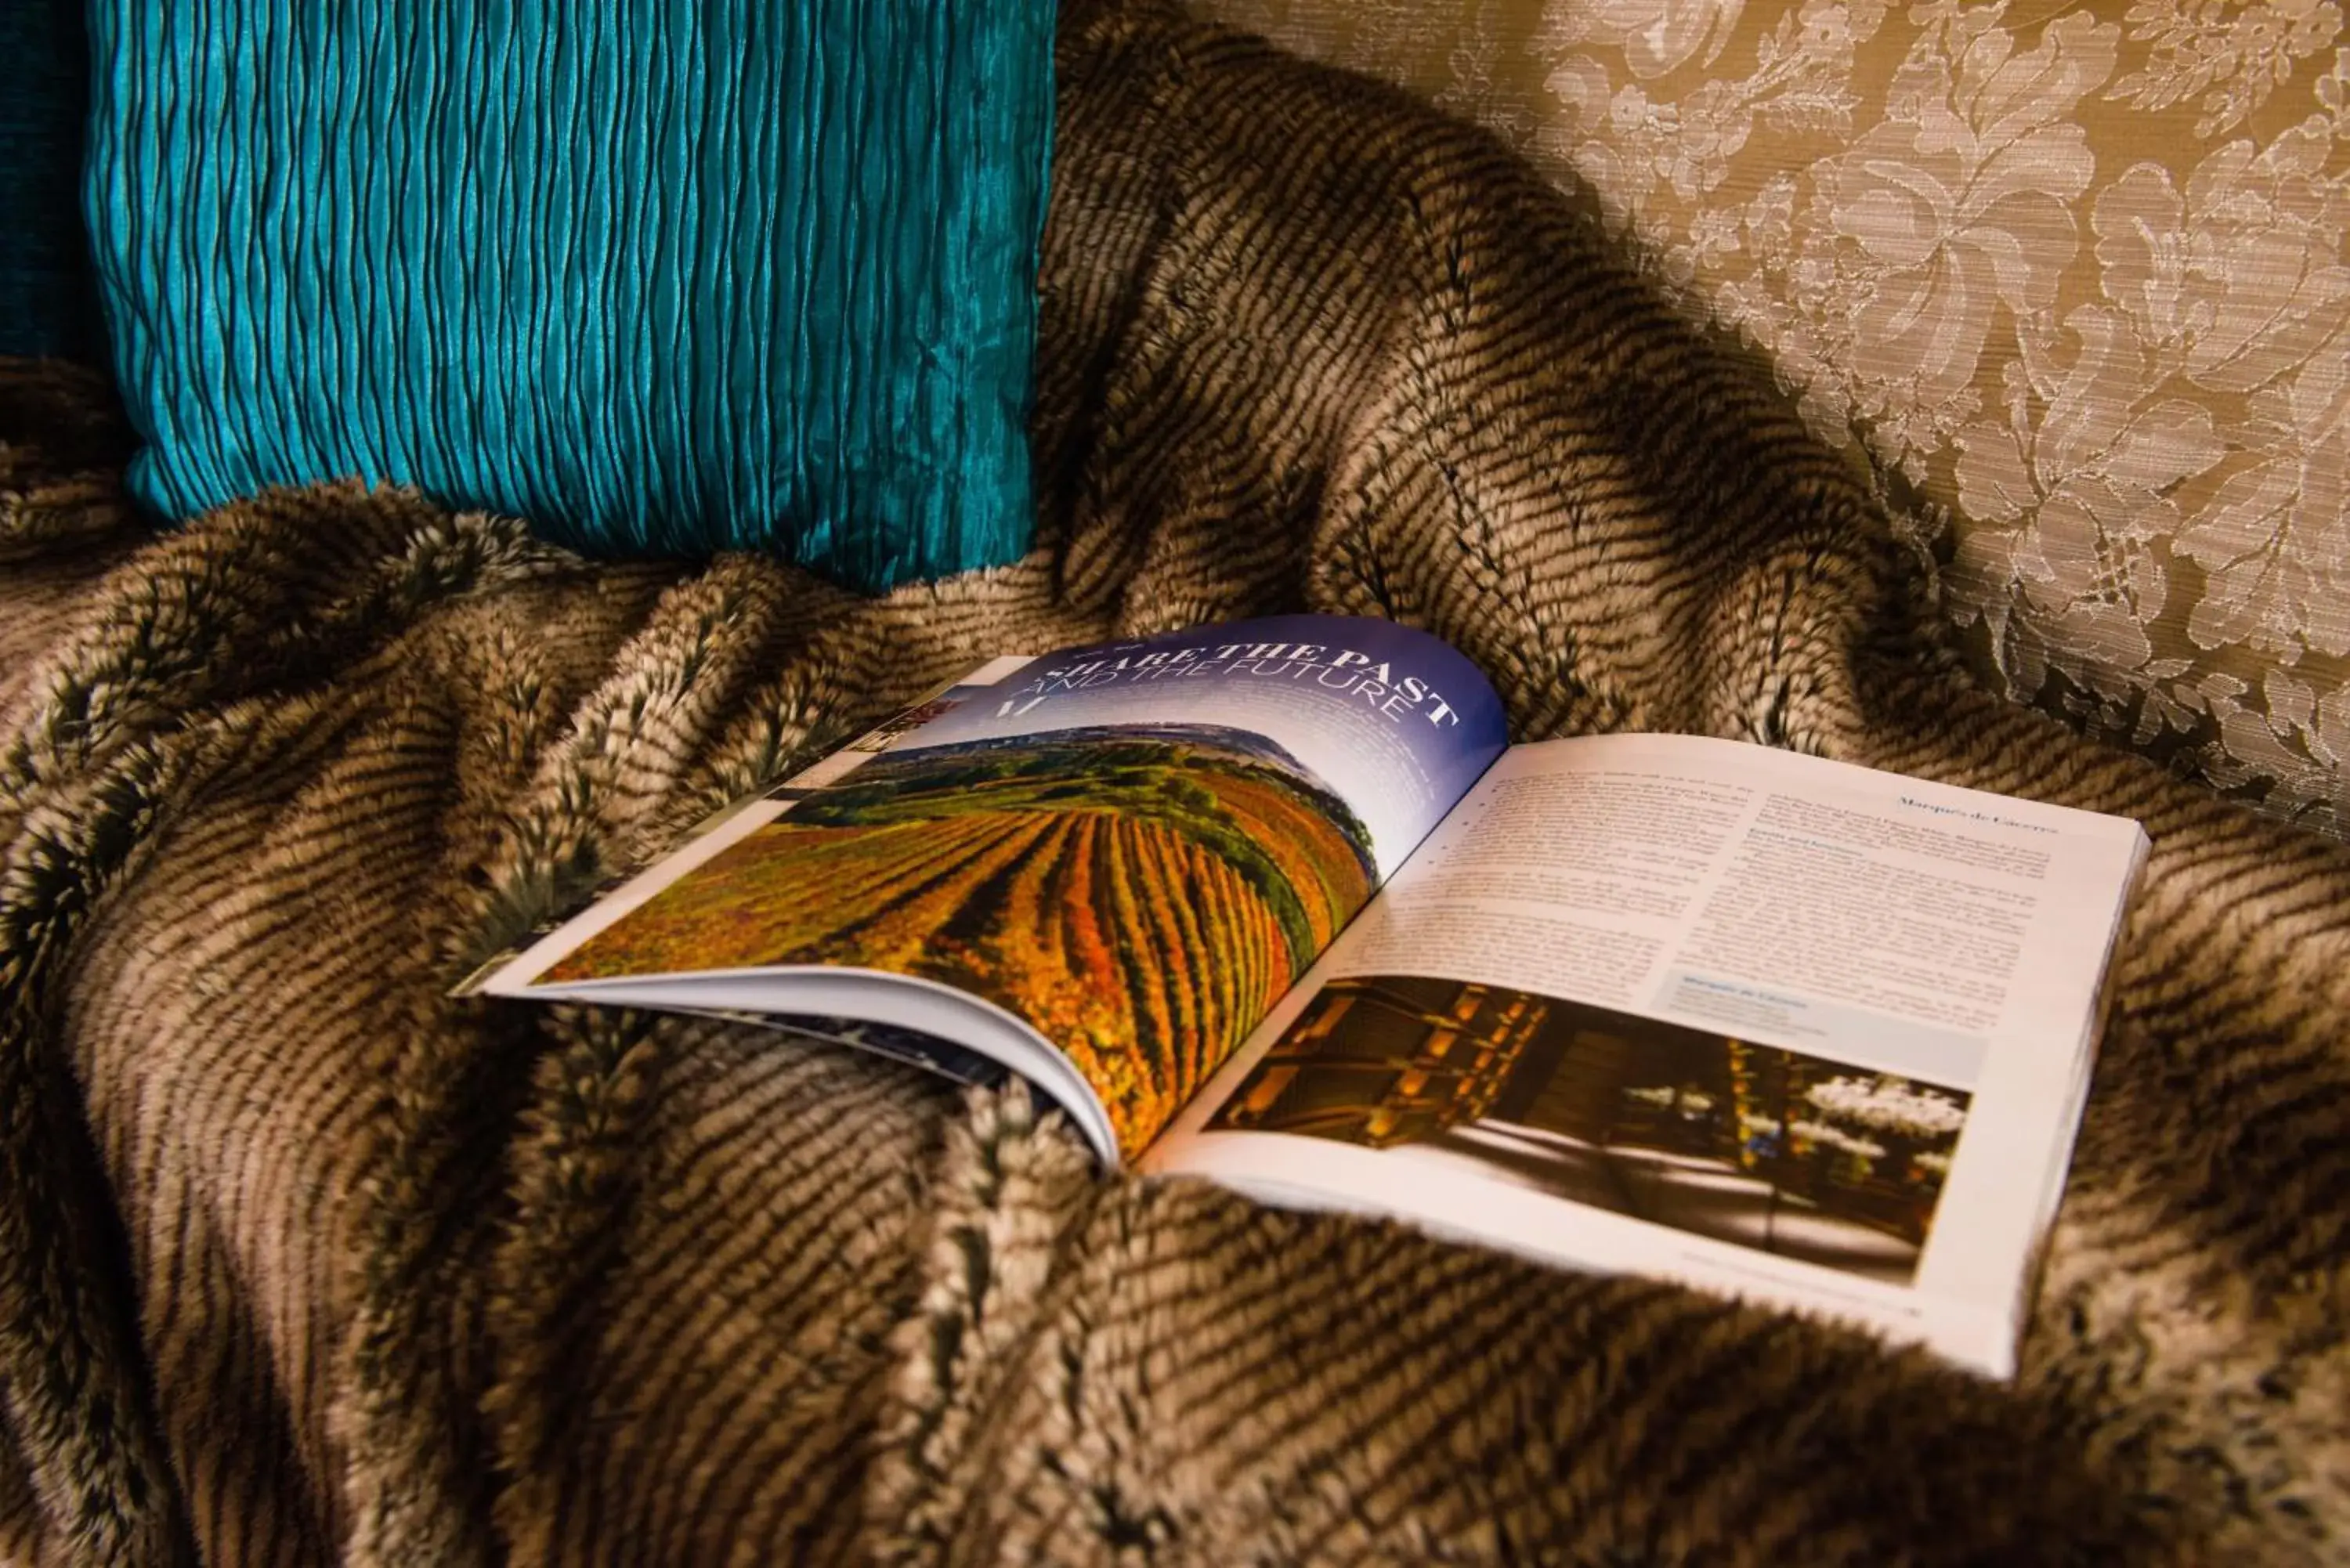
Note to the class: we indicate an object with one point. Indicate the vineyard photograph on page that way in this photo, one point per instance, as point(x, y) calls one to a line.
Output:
point(1141, 895)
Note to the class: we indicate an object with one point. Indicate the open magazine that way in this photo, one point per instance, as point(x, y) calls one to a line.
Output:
point(1276, 903)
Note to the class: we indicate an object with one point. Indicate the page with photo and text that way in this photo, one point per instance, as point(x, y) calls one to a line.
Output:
point(1102, 866)
point(1796, 1030)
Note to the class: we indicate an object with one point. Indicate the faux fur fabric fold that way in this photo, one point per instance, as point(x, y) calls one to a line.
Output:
point(299, 1260)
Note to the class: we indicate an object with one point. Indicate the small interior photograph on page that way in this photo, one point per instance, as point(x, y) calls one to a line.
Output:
point(1754, 1145)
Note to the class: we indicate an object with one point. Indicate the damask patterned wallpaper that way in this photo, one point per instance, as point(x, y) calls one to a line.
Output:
point(2073, 276)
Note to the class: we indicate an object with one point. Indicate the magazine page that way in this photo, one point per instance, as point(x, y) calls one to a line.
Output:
point(1774, 1026)
point(927, 1052)
point(1102, 866)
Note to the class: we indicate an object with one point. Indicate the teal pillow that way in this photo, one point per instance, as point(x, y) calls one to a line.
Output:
point(657, 276)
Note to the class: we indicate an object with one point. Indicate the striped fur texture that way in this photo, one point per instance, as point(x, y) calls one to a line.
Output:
point(300, 1262)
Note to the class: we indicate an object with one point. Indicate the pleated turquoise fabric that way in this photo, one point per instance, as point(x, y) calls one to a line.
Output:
point(664, 276)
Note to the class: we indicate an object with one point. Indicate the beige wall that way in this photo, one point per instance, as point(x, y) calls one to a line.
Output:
point(2073, 277)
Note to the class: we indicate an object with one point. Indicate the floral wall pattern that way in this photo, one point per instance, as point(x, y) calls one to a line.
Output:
point(2072, 277)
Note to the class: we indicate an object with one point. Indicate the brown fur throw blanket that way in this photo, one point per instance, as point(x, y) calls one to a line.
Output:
point(300, 1262)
